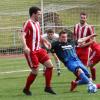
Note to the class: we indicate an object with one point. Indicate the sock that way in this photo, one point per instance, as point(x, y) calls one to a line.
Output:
point(77, 77)
point(48, 76)
point(84, 79)
point(93, 72)
point(30, 80)
point(58, 65)
point(98, 86)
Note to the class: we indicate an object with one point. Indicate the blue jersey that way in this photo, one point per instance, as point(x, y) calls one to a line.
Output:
point(65, 51)
point(67, 54)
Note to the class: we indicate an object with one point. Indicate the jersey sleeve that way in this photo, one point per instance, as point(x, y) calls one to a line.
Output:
point(90, 30)
point(26, 27)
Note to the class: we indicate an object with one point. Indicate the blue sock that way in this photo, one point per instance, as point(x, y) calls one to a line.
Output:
point(84, 79)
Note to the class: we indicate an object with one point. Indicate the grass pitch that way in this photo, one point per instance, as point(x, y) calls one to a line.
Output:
point(11, 84)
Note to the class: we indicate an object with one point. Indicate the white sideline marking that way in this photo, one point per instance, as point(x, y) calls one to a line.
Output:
point(19, 71)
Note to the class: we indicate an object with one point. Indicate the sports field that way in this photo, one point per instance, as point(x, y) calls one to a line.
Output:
point(14, 69)
point(13, 73)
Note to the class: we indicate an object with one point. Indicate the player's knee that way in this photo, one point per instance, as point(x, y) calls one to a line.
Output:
point(34, 71)
point(79, 71)
point(48, 64)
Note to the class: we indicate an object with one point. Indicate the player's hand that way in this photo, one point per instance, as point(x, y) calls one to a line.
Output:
point(49, 45)
point(26, 50)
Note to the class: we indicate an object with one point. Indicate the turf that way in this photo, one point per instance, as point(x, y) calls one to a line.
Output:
point(12, 14)
point(11, 84)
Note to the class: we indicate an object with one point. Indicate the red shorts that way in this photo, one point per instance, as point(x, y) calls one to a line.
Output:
point(94, 60)
point(36, 57)
point(96, 47)
point(95, 54)
point(83, 54)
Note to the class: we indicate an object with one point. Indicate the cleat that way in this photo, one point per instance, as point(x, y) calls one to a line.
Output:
point(27, 92)
point(73, 85)
point(49, 90)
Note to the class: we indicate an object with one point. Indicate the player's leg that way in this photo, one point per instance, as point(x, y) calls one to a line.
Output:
point(93, 72)
point(94, 58)
point(83, 79)
point(45, 60)
point(57, 63)
point(33, 64)
point(83, 55)
point(92, 62)
point(74, 67)
point(81, 71)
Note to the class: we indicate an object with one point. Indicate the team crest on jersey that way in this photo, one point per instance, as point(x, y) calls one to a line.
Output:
point(66, 47)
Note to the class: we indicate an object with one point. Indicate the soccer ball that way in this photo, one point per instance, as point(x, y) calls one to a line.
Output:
point(92, 88)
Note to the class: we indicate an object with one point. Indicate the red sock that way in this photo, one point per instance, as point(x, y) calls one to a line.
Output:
point(48, 76)
point(30, 80)
point(93, 72)
point(98, 86)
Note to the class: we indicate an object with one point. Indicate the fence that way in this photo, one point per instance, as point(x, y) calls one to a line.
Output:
point(56, 14)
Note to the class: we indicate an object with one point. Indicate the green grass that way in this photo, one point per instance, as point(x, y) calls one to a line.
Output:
point(11, 85)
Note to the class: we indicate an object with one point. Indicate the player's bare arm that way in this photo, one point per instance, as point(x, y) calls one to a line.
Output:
point(26, 49)
point(82, 43)
point(46, 43)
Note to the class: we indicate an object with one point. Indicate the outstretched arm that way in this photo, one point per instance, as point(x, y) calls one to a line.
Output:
point(81, 41)
point(46, 43)
point(86, 38)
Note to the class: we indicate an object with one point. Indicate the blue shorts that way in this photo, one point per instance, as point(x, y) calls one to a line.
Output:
point(74, 64)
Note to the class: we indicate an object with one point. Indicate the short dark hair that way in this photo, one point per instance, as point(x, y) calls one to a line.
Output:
point(83, 13)
point(62, 32)
point(33, 10)
point(50, 31)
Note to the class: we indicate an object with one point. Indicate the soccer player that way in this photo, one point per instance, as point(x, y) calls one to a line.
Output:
point(51, 37)
point(65, 50)
point(34, 54)
point(81, 30)
point(95, 56)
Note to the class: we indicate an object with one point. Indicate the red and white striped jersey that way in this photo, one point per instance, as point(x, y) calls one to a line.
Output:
point(32, 30)
point(83, 31)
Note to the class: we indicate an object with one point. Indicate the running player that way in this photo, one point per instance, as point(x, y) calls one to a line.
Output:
point(51, 37)
point(31, 39)
point(82, 30)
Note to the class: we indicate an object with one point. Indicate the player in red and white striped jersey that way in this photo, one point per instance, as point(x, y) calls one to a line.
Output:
point(34, 54)
point(81, 30)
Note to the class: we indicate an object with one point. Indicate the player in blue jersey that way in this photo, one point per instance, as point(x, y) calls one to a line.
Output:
point(65, 50)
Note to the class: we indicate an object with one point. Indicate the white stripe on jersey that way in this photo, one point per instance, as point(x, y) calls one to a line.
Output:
point(30, 61)
point(38, 42)
point(79, 30)
point(92, 31)
point(85, 31)
point(24, 26)
point(76, 28)
point(34, 36)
